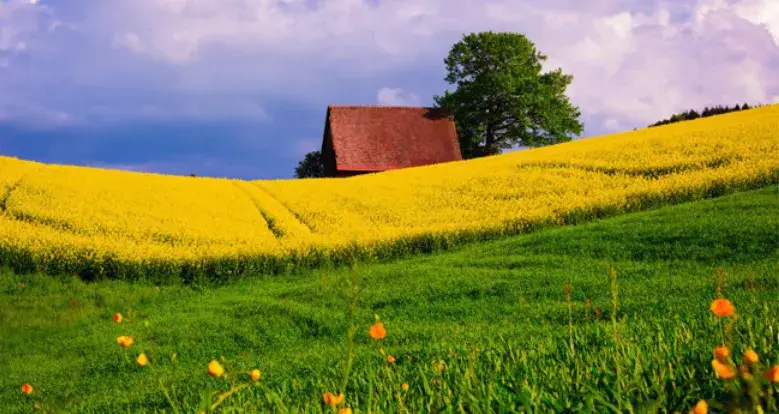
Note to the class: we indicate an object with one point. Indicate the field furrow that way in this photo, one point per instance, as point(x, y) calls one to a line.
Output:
point(289, 224)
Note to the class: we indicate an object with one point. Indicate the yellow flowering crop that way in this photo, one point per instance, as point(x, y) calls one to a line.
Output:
point(99, 222)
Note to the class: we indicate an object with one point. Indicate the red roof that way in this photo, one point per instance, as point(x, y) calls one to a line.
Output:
point(378, 138)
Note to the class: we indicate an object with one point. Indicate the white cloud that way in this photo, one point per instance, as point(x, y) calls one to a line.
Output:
point(645, 71)
point(397, 97)
point(765, 12)
point(611, 124)
point(128, 40)
point(18, 19)
point(633, 61)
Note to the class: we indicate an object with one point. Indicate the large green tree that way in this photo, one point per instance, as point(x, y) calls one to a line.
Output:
point(503, 98)
point(311, 166)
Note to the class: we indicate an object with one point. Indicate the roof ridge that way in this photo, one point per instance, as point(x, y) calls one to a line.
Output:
point(382, 107)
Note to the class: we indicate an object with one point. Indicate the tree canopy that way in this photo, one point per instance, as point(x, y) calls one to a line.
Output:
point(311, 166)
point(503, 98)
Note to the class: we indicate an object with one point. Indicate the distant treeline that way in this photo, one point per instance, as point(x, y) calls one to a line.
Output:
point(707, 111)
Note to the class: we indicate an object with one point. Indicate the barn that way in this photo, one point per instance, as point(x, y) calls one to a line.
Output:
point(367, 139)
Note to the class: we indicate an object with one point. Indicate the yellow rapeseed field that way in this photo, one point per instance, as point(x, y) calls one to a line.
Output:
point(99, 222)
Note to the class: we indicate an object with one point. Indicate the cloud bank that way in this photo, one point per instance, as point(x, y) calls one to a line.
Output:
point(269, 67)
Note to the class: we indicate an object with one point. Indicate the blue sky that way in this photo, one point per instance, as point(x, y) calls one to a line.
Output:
point(239, 88)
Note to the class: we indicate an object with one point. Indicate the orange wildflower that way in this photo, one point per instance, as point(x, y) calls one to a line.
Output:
point(255, 374)
point(377, 331)
point(404, 386)
point(723, 371)
point(390, 359)
point(345, 410)
point(700, 408)
point(124, 341)
point(723, 308)
point(118, 317)
point(721, 353)
point(750, 357)
point(27, 389)
point(142, 360)
point(772, 374)
point(215, 369)
point(332, 399)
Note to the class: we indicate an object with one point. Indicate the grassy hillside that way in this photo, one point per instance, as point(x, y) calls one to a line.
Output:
point(495, 313)
point(100, 223)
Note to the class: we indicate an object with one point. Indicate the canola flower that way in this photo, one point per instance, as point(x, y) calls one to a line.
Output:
point(97, 222)
point(345, 410)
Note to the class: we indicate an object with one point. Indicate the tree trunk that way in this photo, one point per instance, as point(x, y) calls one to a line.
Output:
point(489, 142)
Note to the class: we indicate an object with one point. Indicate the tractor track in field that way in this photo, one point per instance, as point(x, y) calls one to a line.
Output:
point(7, 194)
point(9, 189)
point(269, 221)
point(649, 174)
point(291, 212)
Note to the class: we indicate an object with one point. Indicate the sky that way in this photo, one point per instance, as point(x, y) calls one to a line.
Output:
point(239, 88)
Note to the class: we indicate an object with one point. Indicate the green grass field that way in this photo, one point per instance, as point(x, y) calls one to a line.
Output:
point(495, 313)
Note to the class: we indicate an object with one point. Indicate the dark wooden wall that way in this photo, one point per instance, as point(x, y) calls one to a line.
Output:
point(328, 154)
